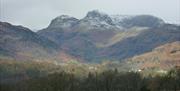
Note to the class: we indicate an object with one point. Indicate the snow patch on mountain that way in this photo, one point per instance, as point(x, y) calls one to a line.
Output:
point(99, 21)
point(117, 19)
point(63, 21)
point(96, 20)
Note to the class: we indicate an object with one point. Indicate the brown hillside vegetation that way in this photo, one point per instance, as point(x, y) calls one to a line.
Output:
point(163, 57)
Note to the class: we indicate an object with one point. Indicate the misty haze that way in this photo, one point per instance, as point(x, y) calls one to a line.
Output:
point(90, 45)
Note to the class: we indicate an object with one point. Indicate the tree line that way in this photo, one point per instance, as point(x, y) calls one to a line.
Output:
point(110, 80)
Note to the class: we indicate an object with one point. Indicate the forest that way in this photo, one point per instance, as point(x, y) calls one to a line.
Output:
point(110, 80)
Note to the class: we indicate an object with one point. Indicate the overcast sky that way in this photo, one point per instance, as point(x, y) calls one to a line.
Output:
point(37, 14)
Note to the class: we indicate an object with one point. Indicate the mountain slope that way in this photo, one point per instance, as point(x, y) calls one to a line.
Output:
point(142, 21)
point(163, 57)
point(144, 42)
point(21, 43)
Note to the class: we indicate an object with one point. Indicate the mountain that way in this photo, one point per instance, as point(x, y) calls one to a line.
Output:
point(94, 38)
point(99, 36)
point(143, 42)
point(89, 47)
point(79, 40)
point(97, 21)
point(63, 21)
point(59, 29)
point(142, 21)
point(21, 43)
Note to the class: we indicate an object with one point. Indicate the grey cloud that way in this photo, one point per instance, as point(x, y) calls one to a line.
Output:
point(37, 14)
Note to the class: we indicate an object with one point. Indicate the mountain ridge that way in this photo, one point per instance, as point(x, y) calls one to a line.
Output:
point(102, 33)
point(99, 36)
point(19, 42)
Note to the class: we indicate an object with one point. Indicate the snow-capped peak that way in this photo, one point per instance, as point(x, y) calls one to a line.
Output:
point(63, 21)
point(98, 19)
point(119, 18)
point(63, 18)
point(95, 13)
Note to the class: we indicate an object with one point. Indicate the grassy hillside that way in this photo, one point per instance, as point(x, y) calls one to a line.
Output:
point(163, 57)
